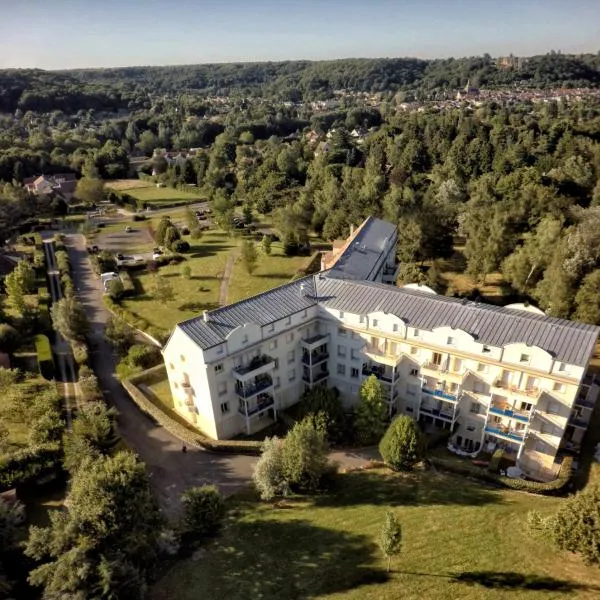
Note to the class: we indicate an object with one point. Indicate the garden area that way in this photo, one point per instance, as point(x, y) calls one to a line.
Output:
point(146, 192)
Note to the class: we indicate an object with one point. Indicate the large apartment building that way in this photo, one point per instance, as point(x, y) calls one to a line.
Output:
point(497, 377)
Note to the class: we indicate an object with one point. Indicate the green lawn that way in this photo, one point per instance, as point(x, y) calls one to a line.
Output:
point(154, 195)
point(460, 540)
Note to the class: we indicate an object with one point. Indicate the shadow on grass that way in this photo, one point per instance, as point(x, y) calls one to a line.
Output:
point(289, 559)
point(208, 249)
point(520, 581)
point(198, 306)
point(273, 275)
point(402, 489)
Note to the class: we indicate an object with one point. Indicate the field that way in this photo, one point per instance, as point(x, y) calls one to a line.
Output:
point(154, 195)
point(460, 540)
point(122, 185)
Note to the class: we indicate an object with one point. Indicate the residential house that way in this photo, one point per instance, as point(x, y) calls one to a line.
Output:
point(61, 184)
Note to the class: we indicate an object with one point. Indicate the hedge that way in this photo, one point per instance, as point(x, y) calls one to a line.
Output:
point(44, 356)
point(534, 487)
point(28, 464)
point(179, 430)
point(127, 280)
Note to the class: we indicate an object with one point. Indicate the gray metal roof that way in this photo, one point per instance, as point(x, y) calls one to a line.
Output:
point(265, 308)
point(359, 259)
point(567, 341)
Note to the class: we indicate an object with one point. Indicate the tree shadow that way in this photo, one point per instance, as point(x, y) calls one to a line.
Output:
point(519, 581)
point(292, 559)
point(273, 275)
point(208, 249)
point(402, 489)
point(198, 306)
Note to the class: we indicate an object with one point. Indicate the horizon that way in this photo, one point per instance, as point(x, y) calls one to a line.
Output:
point(57, 36)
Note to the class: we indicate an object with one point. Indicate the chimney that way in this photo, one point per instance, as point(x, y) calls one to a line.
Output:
point(205, 316)
point(302, 286)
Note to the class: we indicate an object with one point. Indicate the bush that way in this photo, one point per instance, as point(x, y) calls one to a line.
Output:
point(324, 407)
point(371, 411)
point(139, 218)
point(80, 353)
point(10, 339)
point(268, 475)
point(127, 281)
point(403, 444)
point(203, 511)
point(495, 460)
point(28, 464)
point(179, 246)
point(44, 356)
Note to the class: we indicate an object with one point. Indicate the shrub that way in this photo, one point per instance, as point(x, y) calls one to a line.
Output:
point(324, 407)
point(10, 339)
point(80, 353)
point(28, 464)
point(403, 444)
point(139, 218)
point(127, 282)
point(44, 356)
point(179, 246)
point(268, 475)
point(203, 511)
point(495, 460)
point(115, 289)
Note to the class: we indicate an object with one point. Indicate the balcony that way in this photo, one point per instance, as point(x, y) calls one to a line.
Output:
point(313, 343)
point(439, 413)
point(379, 372)
point(505, 411)
point(584, 402)
point(263, 402)
point(314, 358)
point(577, 421)
point(506, 434)
point(316, 377)
point(531, 392)
point(440, 394)
point(187, 388)
point(249, 389)
point(257, 366)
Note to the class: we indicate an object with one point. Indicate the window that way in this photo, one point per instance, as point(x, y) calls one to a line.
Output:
point(276, 361)
point(304, 313)
point(470, 428)
point(273, 345)
point(341, 350)
point(245, 339)
point(520, 426)
point(393, 348)
point(375, 322)
point(414, 351)
point(562, 367)
point(553, 408)
point(558, 387)
point(220, 349)
point(288, 321)
point(409, 409)
point(417, 333)
point(341, 369)
point(354, 355)
point(219, 368)
point(526, 406)
point(276, 382)
point(291, 356)
point(411, 389)
point(171, 366)
point(414, 372)
point(361, 319)
point(271, 328)
point(222, 388)
point(524, 358)
point(341, 314)
point(482, 368)
point(476, 408)
point(354, 373)
point(395, 327)
point(479, 387)
point(224, 407)
point(342, 332)
point(292, 375)
point(182, 358)
point(450, 341)
point(290, 337)
point(486, 349)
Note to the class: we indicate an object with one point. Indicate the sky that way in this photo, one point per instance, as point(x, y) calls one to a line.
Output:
point(61, 34)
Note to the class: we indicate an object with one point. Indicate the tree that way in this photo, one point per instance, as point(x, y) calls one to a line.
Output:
point(18, 283)
point(587, 299)
point(324, 407)
point(10, 339)
point(90, 190)
point(162, 289)
point(268, 475)
point(304, 456)
point(105, 544)
point(403, 444)
point(223, 211)
point(249, 256)
point(266, 245)
point(69, 319)
point(203, 511)
point(119, 334)
point(371, 411)
point(390, 537)
point(115, 288)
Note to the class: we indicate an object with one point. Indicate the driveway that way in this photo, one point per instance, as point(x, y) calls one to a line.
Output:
point(172, 471)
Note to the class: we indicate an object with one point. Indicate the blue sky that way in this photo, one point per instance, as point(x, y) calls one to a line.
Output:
point(56, 34)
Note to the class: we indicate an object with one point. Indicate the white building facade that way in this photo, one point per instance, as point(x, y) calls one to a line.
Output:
point(497, 377)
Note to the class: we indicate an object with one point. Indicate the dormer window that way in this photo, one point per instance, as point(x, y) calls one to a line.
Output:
point(486, 349)
point(524, 358)
point(375, 322)
point(451, 341)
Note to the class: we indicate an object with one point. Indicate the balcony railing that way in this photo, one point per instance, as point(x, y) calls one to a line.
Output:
point(440, 394)
point(509, 434)
point(248, 390)
point(507, 412)
point(436, 412)
point(431, 366)
point(578, 422)
point(515, 389)
point(254, 365)
point(315, 359)
point(379, 373)
point(267, 403)
point(315, 341)
point(584, 402)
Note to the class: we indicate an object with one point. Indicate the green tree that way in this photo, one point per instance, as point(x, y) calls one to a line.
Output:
point(148, 142)
point(587, 300)
point(115, 289)
point(390, 538)
point(172, 235)
point(90, 190)
point(203, 512)
point(403, 444)
point(161, 230)
point(249, 256)
point(69, 319)
point(10, 339)
point(162, 290)
point(266, 245)
point(304, 456)
point(119, 334)
point(223, 211)
point(371, 411)
point(324, 407)
point(104, 545)
point(269, 475)
point(18, 283)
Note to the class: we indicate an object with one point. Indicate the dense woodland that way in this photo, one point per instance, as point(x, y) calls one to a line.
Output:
point(518, 183)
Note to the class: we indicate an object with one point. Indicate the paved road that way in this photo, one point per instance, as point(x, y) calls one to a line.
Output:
point(171, 470)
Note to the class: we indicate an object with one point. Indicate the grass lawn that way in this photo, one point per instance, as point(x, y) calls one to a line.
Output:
point(128, 184)
point(460, 540)
point(154, 195)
